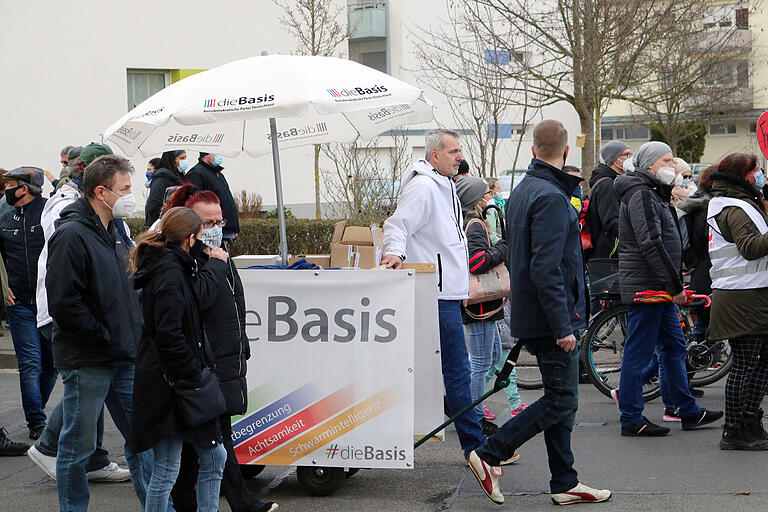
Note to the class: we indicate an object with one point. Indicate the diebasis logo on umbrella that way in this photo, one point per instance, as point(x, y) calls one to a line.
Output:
point(235, 104)
point(357, 93)
point(197, 139)
point(301, 133)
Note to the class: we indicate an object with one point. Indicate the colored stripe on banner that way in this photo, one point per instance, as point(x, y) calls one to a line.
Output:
point(336, 427)
point(275, 412)
point(296, 425)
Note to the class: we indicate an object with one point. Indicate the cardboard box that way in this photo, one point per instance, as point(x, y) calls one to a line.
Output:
point(357, 256)
point(357, 235)
point(321, 260)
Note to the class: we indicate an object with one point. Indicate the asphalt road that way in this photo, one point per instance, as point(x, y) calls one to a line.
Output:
point(684, 471)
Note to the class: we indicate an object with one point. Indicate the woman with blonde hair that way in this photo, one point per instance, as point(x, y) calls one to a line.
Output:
point(173, 356)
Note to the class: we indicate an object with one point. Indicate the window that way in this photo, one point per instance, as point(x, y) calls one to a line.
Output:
point(506, 131)
point(742, 73)
point(752, 128)
point(630, 132)
point(498, 57)
point(143, 83)
point(716, 129)
point(375, 60)
point(742, 17)
point(726, 16)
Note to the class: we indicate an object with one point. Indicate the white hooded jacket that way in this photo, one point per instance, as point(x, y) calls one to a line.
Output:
point(427, 227)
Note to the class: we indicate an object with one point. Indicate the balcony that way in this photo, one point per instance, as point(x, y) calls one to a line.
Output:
point(367, 20)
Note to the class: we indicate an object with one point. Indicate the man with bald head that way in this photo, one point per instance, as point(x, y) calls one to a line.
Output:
point(548, 311)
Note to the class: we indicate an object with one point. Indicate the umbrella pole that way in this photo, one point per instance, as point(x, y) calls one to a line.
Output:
point(283, 247)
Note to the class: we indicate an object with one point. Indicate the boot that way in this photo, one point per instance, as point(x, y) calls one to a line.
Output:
point(735, 437)
point(753, 424)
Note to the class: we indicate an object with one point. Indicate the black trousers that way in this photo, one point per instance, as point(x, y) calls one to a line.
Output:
point(233, 486)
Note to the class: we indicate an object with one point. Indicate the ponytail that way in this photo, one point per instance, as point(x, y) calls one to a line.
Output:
point(175, 226)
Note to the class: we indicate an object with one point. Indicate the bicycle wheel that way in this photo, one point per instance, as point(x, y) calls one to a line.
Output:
point(603, 349)
point(711, 366)
point(527, 368)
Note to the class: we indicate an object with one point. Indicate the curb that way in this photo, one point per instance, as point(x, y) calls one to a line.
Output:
point(8, 360)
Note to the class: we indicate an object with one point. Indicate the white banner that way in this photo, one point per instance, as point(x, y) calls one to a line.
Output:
point(331, 377)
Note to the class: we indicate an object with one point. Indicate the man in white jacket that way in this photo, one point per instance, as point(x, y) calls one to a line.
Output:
point(427, 227)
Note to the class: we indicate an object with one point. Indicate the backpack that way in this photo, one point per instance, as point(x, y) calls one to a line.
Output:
point(585, 226)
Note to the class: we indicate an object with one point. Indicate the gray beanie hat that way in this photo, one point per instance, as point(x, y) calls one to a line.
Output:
point(611, 151)
point(648, 153)
point(470, 190)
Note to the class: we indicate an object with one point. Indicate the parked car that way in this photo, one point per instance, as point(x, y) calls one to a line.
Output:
point(697, 169)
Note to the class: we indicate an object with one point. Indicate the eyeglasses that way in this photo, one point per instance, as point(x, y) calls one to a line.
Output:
point(63, 162)
point(211, 223)
point(626, 154)
point(687, 177)
point(488, 192)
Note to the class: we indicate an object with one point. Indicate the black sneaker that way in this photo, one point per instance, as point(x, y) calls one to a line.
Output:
point(705, 417)
point(644, 428)
point(489, 428)
point(36, 432)
point(11, 448)
point(753, 425)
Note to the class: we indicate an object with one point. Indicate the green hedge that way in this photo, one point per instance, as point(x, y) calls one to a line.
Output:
point(262, 236)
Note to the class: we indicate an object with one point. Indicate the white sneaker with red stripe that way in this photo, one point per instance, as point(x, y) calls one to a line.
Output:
point(581, 494)
point(487, 476)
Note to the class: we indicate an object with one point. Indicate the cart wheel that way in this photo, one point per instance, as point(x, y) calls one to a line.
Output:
point(251, 470)
point(320, 481)
point(351, 472)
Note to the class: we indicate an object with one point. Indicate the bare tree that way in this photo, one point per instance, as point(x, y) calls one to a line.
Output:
point(460, 65)
point(583, 52)
point(358, 185)
point(320, 28)
point(704, 73)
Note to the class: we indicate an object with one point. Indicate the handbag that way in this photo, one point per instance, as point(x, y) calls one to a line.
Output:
point(201, 401)
point(488, 286)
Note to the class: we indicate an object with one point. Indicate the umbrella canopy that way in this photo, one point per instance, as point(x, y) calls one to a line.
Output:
point(226, 110)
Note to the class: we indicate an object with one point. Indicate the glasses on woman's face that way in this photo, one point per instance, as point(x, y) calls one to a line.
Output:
point(211, 223)
point(488, 193)
point(687, 176)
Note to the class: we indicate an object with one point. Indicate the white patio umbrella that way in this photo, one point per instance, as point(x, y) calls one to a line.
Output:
point(233, 109)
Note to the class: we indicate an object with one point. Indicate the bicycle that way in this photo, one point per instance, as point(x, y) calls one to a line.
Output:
point(603, 344)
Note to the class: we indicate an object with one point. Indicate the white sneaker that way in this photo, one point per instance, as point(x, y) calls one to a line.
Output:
point(581, 494)
point(109, 473)
point(44, 462)
point(487, 477)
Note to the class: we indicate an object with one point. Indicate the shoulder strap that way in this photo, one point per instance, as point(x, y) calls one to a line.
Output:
point(485, 228)
point(487, 314)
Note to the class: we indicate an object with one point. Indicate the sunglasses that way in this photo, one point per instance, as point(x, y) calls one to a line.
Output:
point(687, 177)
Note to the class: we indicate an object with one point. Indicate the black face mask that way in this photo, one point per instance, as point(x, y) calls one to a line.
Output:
point(10, 195)
point(196, 250)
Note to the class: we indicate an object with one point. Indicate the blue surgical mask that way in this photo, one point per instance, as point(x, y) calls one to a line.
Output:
point(217, 160)
point(759, 179)
point(685, 182)
point(148, 175)
point(183, 166)
point(212, 236)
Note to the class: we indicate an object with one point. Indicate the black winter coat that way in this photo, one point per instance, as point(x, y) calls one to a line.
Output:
point(95, 311)
point(547, 287)
point(650, 249)
point(697, 256)
point(161, 180)
point(222, 306)
point(482, 258)
point(21, 242)
point(206, 177)
point(603, 212)
point(171, 346)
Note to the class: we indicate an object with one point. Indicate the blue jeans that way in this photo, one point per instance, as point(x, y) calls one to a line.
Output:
point(455, 365)
point(37, 375)
point(167, 456)
point(553, 414)
point(48, 444)
point(481, 337)
point(86, 390)
point(649, 325)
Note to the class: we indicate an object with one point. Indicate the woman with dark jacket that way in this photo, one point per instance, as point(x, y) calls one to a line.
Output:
point(738, 248)
point(480, 319)
point(172, 349)
point(222, 308)
point(697, 255)
point(173, 165)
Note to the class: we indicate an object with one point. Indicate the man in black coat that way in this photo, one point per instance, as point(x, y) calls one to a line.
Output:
point(207, 175)
point(97, 325)
point(548, 311)
point(650, 258)
point(603, 213)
